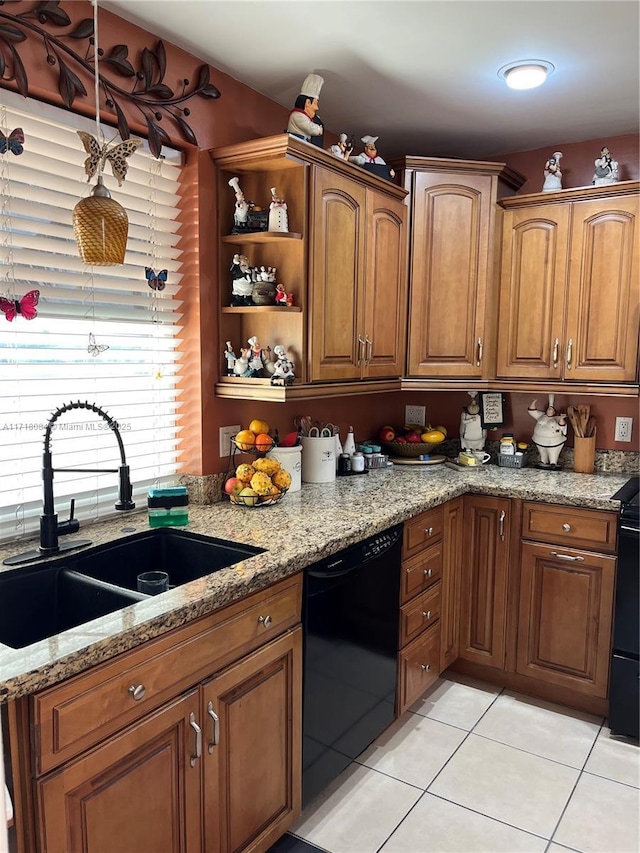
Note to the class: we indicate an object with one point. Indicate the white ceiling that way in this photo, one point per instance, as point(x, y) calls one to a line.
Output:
point(422, 74)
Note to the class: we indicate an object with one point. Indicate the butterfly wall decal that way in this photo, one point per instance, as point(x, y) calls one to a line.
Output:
point(25, 306)
point(95, 349)
point(14, 142)
point(115, 155)
point(156, 282)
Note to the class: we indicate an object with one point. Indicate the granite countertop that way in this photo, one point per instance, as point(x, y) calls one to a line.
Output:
point(304, 527)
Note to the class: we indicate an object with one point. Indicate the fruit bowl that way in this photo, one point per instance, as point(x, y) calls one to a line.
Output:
point(411, 450)
point(257, 502)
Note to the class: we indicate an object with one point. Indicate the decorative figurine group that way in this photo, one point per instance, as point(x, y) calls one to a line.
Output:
point(255, 285)
point(256, 362)
point(606, 171)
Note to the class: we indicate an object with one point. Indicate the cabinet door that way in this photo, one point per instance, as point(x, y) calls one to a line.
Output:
point(450, 260)
point(385, 308)
point(535, 258)
point(452, 566)
point(565, 614)
point(140, 790)
point(484, 580)
point(337, 252)
point(604, 291)
point(252, 752)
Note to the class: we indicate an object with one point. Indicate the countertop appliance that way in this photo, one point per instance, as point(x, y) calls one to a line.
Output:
point(624, 684)
point(350, 619)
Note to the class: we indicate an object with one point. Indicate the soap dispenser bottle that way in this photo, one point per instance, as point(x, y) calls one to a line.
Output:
point(350, 443)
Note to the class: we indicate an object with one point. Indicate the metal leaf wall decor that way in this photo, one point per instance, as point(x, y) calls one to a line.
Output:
point(149, 93)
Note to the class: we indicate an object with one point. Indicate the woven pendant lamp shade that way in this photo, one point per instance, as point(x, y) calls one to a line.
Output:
point(101, 226)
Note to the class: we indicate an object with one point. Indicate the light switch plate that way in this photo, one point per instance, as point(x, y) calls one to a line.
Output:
point(226, 434)
point(415, 415)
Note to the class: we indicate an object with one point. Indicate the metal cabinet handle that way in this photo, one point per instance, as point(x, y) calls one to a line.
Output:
point(265, 620)
point(137, 691)
point(566, 527)
point(568, 557)
point(569, 354)
point(369, 355)
point(556, 344)
point(429, 531)
point(361, 346)
point(215, 740)
point(425, 667)
point(428, 572)
point(503, 515)
point(426, 614)
point(198, 731)
point(479, 361)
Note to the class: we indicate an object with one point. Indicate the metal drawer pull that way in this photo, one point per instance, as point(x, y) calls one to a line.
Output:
point(567, 557)
point(198, 731)
point(566, 527)
point(265, 620)
point(137, 691)
point(370, 351)
point(429, 531)
point(569, 353)
point(361, 346)
point(479, 361)
point(428, 572)
point(503, 515)
point(426, 614)
point(425, 667)
point(216, 727)
point(556, 344)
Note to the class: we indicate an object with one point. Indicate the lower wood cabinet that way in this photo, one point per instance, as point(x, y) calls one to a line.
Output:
point(451, 581)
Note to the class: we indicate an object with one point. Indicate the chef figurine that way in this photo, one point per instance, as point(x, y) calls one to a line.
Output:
point(256, 362)
point(241, 211)
point(241, 281)
point(370, 154)
point(472, 435)
point(278, 218)
point(552, 173)
point(304, 120)
point(230, 356)
point(606, 171)
point(342, 148)
point(549, 433)
point(282, 297)
point(241, 367)
point(283, 368)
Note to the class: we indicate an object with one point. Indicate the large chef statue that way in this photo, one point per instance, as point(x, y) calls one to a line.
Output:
point(549, 433)
point(472, 434)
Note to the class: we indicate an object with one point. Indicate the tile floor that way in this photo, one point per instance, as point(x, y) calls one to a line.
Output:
point(476, 769)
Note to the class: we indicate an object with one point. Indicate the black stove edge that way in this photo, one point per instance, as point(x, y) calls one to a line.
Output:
point(626, 493)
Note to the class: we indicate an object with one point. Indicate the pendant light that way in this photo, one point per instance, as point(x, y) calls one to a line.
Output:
point(100, 224)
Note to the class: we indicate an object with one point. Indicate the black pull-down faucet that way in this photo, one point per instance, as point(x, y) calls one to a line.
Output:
point(50, 527)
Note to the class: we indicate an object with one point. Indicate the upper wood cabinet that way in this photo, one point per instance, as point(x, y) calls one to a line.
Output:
point(344, 259)
point(452, 299)
point(570, 286)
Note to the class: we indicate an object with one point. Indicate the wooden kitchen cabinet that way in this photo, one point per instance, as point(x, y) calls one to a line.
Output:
point(570, 286)
point(566, 599)
point(483, 602)
point(453, 526)
point(344, 260)
point(190, 742)
point(452, 292)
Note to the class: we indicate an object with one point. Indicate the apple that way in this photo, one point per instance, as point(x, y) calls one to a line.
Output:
point(234, 486)
point(414, 438)
point(400, 439)
point(249, 497)
point(387, 433)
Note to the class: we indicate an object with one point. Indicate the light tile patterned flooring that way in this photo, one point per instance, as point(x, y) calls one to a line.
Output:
point(474, 769)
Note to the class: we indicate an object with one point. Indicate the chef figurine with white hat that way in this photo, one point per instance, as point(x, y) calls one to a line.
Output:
point(370, 154)
point(342, 148)
point(303, 119)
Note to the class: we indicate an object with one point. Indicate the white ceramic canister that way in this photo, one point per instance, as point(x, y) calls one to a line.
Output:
point(291, 460)
point(318, 459)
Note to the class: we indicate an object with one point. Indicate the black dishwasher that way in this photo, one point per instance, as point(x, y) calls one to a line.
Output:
point(350, 622)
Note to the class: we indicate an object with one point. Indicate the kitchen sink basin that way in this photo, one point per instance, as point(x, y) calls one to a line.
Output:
point(184, 556)
point(37, 603)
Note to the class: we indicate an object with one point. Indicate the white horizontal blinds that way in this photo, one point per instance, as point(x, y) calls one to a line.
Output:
point(110, 311)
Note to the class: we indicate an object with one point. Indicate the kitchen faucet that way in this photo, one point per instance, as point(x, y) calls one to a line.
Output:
point(50, 527)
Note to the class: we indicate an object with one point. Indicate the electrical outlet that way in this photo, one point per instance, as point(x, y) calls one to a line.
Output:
point(415, 415)
point(623, 429)
point(227, 433)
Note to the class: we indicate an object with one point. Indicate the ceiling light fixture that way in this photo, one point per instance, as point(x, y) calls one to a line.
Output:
point(526, 73)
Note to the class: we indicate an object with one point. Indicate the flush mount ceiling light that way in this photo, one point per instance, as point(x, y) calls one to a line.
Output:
point(526, 73)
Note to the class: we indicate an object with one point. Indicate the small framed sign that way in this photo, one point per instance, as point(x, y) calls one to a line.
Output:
point(491, 409)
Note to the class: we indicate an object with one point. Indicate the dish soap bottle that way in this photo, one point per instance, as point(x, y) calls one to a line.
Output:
point(350, 443)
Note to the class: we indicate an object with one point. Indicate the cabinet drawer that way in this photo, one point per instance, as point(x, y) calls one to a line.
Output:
point(421, 531)
point(421, 571)
point(82, 711)
point(419, 614)
point(592, 529)
point(418, 667)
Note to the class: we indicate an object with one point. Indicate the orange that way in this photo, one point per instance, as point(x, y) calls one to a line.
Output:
point(258, 426)
point(264, 443)
point(245, 440)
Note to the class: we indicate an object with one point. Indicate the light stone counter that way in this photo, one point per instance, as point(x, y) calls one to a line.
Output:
point(304, 527)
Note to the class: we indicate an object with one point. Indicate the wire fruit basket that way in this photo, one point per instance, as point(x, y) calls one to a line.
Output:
point(411, 450)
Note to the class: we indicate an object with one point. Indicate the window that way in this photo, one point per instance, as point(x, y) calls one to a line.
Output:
point(101, 334)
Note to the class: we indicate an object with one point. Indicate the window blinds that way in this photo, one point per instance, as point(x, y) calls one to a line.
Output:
point(101, 334)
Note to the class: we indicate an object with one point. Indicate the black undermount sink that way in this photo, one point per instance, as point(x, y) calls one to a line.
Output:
point(39, 602)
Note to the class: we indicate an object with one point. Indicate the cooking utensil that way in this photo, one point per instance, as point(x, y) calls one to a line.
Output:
point(590, 428)
point(584, 412)
point(320, 432)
